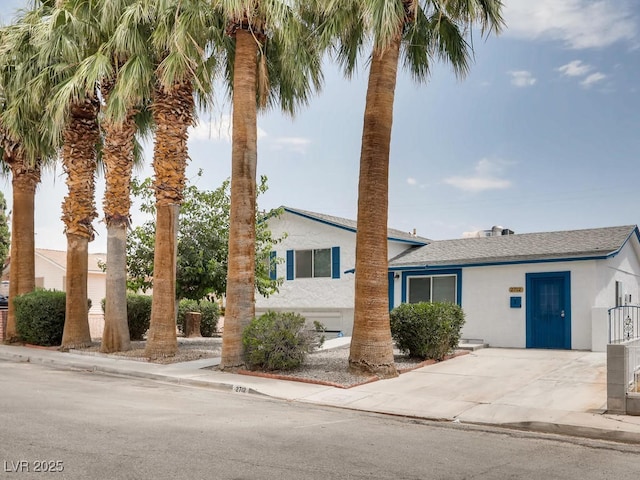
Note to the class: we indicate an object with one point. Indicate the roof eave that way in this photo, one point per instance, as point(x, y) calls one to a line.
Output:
point(422, 266)
point(349, 229)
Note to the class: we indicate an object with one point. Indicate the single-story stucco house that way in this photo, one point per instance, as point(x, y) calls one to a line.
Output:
point(315, 255)
point(532, 290)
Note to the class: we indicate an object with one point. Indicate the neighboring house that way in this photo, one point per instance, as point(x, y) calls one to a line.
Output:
point(536, 290)
point(50, 266)
point(316, 255)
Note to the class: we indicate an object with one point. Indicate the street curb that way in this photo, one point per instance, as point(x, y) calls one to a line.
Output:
point(73, 365)
point(619, 436)
point(575, 431)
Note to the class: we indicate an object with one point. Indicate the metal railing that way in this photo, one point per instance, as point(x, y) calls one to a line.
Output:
point(624, 323)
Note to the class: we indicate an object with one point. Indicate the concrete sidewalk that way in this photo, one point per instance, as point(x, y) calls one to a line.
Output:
point(549, 391)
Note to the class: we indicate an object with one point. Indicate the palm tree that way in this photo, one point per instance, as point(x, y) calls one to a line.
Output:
point(64, 41)
point(167, 63)
point(99, 20)
point(25, 179)
point(421, 31)
point(267, 66)
point(24, 150)
point(118, 154)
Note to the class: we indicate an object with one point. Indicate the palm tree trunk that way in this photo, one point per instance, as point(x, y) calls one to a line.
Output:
point(76, 332)
point(79, 211)
point(115, 336)
point(240, 307)
point(22, 271)
point(161, 338)
point(371, 343)
point(118, 159)
point(173, 115)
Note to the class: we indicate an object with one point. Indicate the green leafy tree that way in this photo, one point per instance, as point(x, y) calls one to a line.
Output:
point(203, 243)
point(5, 236)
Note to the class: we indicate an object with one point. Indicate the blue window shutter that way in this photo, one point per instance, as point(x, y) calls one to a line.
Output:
point(289, 264)
point(273, 273)
point(335, 262)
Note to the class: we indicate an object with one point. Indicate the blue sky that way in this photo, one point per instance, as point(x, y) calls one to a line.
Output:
point(542, 135)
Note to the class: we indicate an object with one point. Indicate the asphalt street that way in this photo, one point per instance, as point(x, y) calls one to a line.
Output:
point(85, 425)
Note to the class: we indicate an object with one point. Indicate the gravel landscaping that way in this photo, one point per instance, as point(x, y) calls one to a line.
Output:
point(189, 349)
point(325, 367)
point(331, 367)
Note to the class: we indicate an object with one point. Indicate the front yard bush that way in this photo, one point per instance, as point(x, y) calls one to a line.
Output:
point(40, 317)
point(209, 312)
point(280, 341)
point(209, 320)
point(138, 315)
point(427, 330)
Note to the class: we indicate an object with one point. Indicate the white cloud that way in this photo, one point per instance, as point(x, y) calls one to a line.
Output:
point(579, 24)
point(593, 79)
point(218, 130)
point(575, 69)
point(522, 78)
point(294, 144)
point(412, 181)
point(487, 177)
point(578, 69)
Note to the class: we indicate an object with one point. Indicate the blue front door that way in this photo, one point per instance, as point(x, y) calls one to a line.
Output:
point(549, 310)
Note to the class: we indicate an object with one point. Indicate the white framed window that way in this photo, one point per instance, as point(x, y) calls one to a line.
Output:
point(433, 288)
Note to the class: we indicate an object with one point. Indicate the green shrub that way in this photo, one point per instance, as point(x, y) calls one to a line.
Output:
point(209, 320)
point(427, 330)
point(40, 317)
point(209, 315)
point(138, 314)
point(279, 341)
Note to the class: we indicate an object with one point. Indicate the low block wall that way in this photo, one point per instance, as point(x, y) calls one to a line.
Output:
point(619, 399)
point(3, 324)
point(633, 404)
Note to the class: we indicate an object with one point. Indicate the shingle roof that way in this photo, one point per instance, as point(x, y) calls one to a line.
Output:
point(392, 234)
point(572, 244)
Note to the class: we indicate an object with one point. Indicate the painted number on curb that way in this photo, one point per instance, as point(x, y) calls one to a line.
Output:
point(240, 389)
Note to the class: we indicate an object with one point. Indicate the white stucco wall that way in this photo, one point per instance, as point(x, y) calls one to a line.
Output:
point(485, 300)
point(489, 316)
point(96, 291)
point(327, 300)
point(624, 268)
point(51, 273)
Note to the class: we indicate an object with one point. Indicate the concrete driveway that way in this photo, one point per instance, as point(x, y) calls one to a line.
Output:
point(493, 385)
